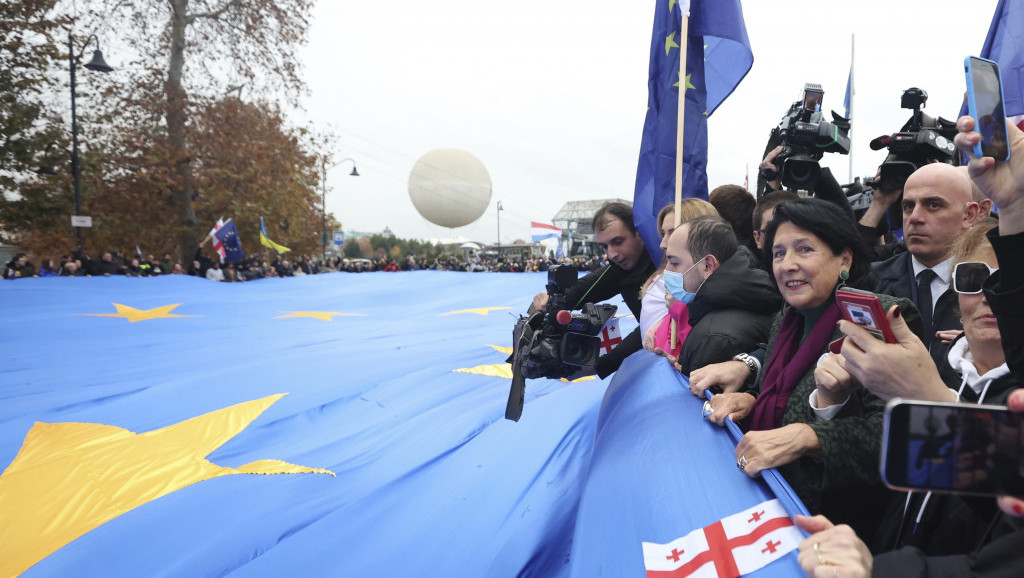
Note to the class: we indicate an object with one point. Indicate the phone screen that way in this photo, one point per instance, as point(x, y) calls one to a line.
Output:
point(959, 448)
point(986, 95)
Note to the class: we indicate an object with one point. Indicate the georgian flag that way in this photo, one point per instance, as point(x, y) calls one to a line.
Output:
point(217, 245)
point(733, 546)
point(610, 336)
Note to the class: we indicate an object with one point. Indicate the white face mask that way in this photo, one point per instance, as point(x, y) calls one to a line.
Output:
point(674, 284)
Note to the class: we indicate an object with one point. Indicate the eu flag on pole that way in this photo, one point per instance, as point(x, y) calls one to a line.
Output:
point(718, 57)
point(228, 235)
point(1005, 45)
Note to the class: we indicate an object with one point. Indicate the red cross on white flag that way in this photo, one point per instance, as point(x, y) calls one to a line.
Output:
point(610, 336)
point(733, 546)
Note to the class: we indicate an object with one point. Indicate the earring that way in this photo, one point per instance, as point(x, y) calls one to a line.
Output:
point(844, 275)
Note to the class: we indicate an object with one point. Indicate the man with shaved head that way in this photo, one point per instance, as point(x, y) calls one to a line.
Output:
point(938, 206)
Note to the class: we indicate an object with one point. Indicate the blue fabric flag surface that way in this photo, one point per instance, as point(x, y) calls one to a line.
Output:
point(1004, 44)
point(228, 235)
point(394, 383)
point(718, 56)
point(658, 471)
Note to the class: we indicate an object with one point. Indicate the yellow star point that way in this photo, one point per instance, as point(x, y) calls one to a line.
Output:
point(505, 350)
point(670, 43)
point(132, 314)
point(478, 311)
point(672, 4)
point(322, 315)
point(69, 478)
point(502, 370)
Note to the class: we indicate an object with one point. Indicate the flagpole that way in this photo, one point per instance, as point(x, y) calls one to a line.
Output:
point(684, 32)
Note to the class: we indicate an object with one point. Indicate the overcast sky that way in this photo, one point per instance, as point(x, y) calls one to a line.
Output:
point(551, 94)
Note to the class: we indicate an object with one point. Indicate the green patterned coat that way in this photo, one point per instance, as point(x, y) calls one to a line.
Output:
point(840, 484)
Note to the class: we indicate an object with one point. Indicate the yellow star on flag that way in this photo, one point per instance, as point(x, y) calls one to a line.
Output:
point(323, 315)
point(69, 478)
point(132, 314)
point(478, 311)
point(670, 43)
point(688, 84)
point(672, 4)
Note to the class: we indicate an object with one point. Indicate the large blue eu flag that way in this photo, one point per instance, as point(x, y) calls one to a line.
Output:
point(718, 56)
point(228, 235)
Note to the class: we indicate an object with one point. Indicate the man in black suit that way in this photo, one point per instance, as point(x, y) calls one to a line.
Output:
point(938, 206)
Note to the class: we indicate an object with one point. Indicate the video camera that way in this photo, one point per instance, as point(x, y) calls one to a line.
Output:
point(555, 342)
point(806, 136)
point(920, 140)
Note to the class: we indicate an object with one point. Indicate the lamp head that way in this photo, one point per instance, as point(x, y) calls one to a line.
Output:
point(97, 63)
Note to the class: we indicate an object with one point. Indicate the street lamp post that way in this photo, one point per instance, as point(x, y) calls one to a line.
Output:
point(323, 203)
point(98, 64)
point(499, 226)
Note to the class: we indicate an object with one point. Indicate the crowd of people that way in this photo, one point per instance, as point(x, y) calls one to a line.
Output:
point(745, 303)
point(79, 264)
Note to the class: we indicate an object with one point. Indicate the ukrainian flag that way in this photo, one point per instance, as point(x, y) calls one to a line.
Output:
point(266, 242)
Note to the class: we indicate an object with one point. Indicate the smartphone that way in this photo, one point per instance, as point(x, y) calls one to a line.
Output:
point(864, 309)
point(985, 104)
point(953, 448)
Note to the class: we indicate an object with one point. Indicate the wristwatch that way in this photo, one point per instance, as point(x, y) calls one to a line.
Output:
point(752, 364)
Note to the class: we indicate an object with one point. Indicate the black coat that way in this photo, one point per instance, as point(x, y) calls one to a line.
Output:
point(605, 283)
point(732, 313)
point(896, 278)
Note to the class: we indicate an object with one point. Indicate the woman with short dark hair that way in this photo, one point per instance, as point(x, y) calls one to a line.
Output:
point(829, 455)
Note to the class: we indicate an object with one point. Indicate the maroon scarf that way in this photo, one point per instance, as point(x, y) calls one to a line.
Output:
point(788, 364)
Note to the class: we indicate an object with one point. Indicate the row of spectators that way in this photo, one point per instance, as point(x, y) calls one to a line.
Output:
point(79, 264)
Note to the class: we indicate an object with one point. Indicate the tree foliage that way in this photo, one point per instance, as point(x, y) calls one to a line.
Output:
point(30, 130)
point(165, 152)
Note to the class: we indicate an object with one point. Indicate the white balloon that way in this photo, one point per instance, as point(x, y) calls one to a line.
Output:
point(450, 187)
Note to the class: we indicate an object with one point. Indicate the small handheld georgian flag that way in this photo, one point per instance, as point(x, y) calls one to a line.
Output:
point(610, 336)
point(735, 545)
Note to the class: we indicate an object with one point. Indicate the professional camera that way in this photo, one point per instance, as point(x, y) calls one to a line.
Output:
point(806, 136)
point(921, 140)
point(556, 342)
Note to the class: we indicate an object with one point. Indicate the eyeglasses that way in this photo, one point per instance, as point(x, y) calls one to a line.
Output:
point(969, 276)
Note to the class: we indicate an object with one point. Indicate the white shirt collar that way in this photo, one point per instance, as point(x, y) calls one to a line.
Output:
point(943, 270)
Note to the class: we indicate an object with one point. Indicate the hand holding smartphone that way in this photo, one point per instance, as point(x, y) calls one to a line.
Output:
point(952, 448)
point(864, 309)
point(985, 104)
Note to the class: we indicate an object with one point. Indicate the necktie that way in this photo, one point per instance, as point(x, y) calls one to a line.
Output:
point(924, 302)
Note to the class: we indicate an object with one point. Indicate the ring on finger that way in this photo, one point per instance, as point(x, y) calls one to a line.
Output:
point(742, 464)
point(707, 410)
point(821, 559)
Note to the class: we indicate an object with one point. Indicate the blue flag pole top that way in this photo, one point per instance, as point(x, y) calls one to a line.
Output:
point(718, 56)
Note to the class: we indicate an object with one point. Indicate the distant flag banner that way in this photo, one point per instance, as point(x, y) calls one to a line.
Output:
point(610, 336)
point(718, 57)
point(541, 232)
point(266, 242)
point(1005, 45)
point(217, 245)
point(733, 546)
point(228, 235)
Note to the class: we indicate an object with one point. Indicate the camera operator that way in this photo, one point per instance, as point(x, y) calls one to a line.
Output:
point(827, 187)
point(629, 266)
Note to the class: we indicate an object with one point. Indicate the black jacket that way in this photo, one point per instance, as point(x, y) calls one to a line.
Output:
point(732, 313)
point(605, 283)
point(896, 278)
